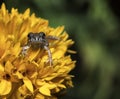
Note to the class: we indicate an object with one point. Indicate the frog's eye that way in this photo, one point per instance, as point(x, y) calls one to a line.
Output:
point(30, 35)
point(42, 34)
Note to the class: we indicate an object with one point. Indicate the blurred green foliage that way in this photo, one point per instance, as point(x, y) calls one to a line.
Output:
point(95, 29)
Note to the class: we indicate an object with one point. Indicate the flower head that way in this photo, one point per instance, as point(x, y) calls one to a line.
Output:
point(31, 75)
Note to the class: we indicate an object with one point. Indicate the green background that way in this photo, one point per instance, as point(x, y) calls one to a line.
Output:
point(94, 26)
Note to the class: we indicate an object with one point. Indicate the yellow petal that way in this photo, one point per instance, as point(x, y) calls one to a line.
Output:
point(64, 36)
point(1, 68)
point(61, 85)
point(16, 49)
point(71, 51)
point(60, 51)
point(3, 7)
point(40, 82)
point(28, 84)
point(39, 96)
point(49, 78)
point(26, 13)
point(33, 54)
point(57, 31)
point(23, 89)
point(8, 67)
point(52, 86)
point(5, 87)
point(14, 12)
point(45, 91)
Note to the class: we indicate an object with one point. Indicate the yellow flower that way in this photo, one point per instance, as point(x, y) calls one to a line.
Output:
point(30, 76)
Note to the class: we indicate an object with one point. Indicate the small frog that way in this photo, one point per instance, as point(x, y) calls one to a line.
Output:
point(39, 40)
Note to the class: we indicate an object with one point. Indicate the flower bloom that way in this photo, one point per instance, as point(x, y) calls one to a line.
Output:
point(30, 76)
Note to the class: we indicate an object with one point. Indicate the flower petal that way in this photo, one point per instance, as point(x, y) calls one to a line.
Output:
point(5, 87)
point(33, 54)
point(44, 90)
point(16, 49)
point(57, 31)
point(1, 68)
point(3, 7)
point(8, 67)
point(28, 84)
